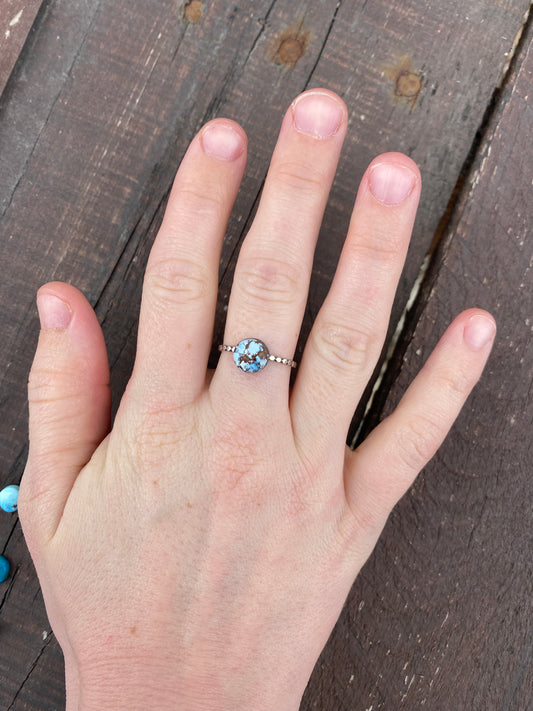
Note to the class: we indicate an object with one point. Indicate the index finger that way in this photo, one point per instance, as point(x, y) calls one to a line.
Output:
point(181, 279)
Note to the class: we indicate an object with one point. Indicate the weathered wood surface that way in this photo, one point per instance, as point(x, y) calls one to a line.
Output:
point(442, 616)
point(16, 20)
point(117, 90)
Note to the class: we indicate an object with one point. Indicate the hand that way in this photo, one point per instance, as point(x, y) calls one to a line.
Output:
point(198, 555)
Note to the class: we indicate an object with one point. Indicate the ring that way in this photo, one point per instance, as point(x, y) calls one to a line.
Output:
point(252, 355)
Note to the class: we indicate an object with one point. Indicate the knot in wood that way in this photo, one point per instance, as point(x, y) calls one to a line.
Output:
point(193, 11)
point(290, 51)
point(408, 84)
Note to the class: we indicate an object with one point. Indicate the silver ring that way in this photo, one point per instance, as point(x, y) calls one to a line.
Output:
point(251, 355)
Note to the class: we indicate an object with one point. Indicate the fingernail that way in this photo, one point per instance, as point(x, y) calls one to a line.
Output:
point(53, 311)
point(479, 331)
point(222, 141)
point(318, 115)
point(391, 183)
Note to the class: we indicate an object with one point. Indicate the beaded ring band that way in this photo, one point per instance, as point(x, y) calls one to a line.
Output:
point(251, 355)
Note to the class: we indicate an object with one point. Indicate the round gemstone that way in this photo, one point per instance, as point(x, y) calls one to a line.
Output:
point(251, 355)
point(9, 497)
point(4, 568)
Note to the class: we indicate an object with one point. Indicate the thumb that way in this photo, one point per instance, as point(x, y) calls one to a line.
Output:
point(69, 406)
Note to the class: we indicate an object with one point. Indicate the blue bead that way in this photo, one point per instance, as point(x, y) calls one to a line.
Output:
point(4, 568)
point(9, 498)
point(251, 355)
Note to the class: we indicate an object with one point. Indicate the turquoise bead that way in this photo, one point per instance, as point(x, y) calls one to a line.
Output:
point(9, 498)
point(251, 355)
point(4, 568)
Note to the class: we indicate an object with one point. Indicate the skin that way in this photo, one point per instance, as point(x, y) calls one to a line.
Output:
point(198, 554)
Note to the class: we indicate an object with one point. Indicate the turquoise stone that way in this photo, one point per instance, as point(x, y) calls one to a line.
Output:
point(4, 568)
point(9, 497)
point(251, 355)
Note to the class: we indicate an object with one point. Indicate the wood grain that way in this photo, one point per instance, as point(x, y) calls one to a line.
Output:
point(441, 616)
point(16, 20)
point(94, 121)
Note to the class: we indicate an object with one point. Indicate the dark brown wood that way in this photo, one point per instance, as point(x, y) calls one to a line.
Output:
point(16, 20)
point(441, 616)
point(93, 123)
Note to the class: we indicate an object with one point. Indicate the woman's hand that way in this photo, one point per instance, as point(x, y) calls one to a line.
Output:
point(198, 555)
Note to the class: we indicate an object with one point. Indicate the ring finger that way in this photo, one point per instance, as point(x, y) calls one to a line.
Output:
point(348, 334)
point(272, 274)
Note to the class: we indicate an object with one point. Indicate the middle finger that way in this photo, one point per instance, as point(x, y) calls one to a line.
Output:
point(271, 280)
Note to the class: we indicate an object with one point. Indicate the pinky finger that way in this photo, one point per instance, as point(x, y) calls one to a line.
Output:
point(383, 467)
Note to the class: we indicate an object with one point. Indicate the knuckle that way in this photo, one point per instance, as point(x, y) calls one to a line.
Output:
point(300, 177)
point(417, 442)
point(269, 280)
point(200, 199)
point(344, 347)
point(306, 497)
point(302, 497)
point(40, 394)
point(177, 281)
point(381, 249)
point(45, 379)
point(235, 459)
point(161, 429)
point(60, 386)
point(455, 383)
point(151, 427)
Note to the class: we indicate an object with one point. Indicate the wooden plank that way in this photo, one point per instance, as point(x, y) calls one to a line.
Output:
point(118, 89)
point(441, 616)
point(36, 83)
point(16, 20)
